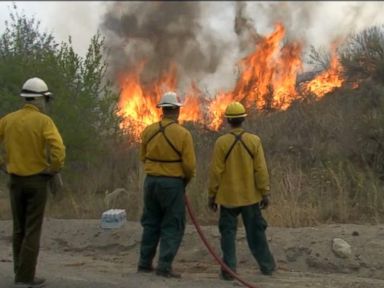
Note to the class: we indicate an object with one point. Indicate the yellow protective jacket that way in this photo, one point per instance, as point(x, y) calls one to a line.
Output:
point(239, 180)
point(160, 159)
point(26, 135)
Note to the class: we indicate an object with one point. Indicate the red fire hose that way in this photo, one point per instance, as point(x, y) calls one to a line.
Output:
point(211, 250)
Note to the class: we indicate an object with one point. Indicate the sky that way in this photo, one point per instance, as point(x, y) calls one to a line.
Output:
point(78, 19)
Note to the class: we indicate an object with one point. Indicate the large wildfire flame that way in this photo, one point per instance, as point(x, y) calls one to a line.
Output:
point(267, 80)
point(327, 80)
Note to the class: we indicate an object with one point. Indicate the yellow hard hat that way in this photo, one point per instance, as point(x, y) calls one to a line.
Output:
point(235, 110)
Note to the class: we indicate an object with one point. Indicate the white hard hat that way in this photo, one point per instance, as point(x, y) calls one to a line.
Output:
point(35, 87)
point(169, 99)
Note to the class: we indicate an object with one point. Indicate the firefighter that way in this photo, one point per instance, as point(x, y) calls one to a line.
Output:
point(27, 134)
point(239, 184)
point(169, 163)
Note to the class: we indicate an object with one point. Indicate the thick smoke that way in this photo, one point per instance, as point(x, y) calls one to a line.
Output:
point(316, 23)
point(206, 39)
point(245, 29)
point(160, 34)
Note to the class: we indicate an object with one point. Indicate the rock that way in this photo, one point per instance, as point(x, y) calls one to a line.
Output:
point(341, 248)
point(355, 233)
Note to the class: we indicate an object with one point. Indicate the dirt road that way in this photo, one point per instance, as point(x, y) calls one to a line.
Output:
point(78, 254)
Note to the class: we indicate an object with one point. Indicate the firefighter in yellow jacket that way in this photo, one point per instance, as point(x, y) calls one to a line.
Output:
point(239, 183)
point(169, 162)
point(34, 152)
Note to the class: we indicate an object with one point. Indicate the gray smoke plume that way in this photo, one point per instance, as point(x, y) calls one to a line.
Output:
point(206, 39)
point(161, 34)
point(245, 28)
point(316, 23)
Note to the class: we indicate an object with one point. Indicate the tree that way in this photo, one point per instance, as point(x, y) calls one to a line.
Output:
point(363, 54)
point(84, 105)
point(320, 58)
point(23, 51)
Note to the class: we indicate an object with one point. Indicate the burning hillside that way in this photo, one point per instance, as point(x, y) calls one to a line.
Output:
point(266, 80)
point(326, 81)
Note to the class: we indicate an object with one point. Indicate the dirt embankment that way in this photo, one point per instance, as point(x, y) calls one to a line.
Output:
point(77, 253)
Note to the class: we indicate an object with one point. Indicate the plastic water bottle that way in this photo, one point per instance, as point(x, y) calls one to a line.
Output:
point(113, 218)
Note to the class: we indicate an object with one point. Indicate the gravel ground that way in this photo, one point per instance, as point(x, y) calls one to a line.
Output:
point(78, 254)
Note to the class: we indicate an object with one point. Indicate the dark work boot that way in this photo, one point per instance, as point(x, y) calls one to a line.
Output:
point(167, 273)
point(224, 275)
point(145, 269)
point(267, 273)
point(36, 283)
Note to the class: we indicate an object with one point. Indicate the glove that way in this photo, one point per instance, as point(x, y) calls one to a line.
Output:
point(211, 204)
point(55, 184)
point(3, 168)
point(186, 181)
point(3, 165)
point(48, 172)
point(264, 203)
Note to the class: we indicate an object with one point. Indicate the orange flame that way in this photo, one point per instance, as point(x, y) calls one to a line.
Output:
point(328, 80)
point(216, 109)
point(267, 80)
point(258, 70)
point(138, 103)
point(284, 84)
point(192, 106)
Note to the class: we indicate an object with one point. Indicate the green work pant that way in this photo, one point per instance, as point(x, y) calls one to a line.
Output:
point(28, 198)
point(255, 226)
point(163, 220)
